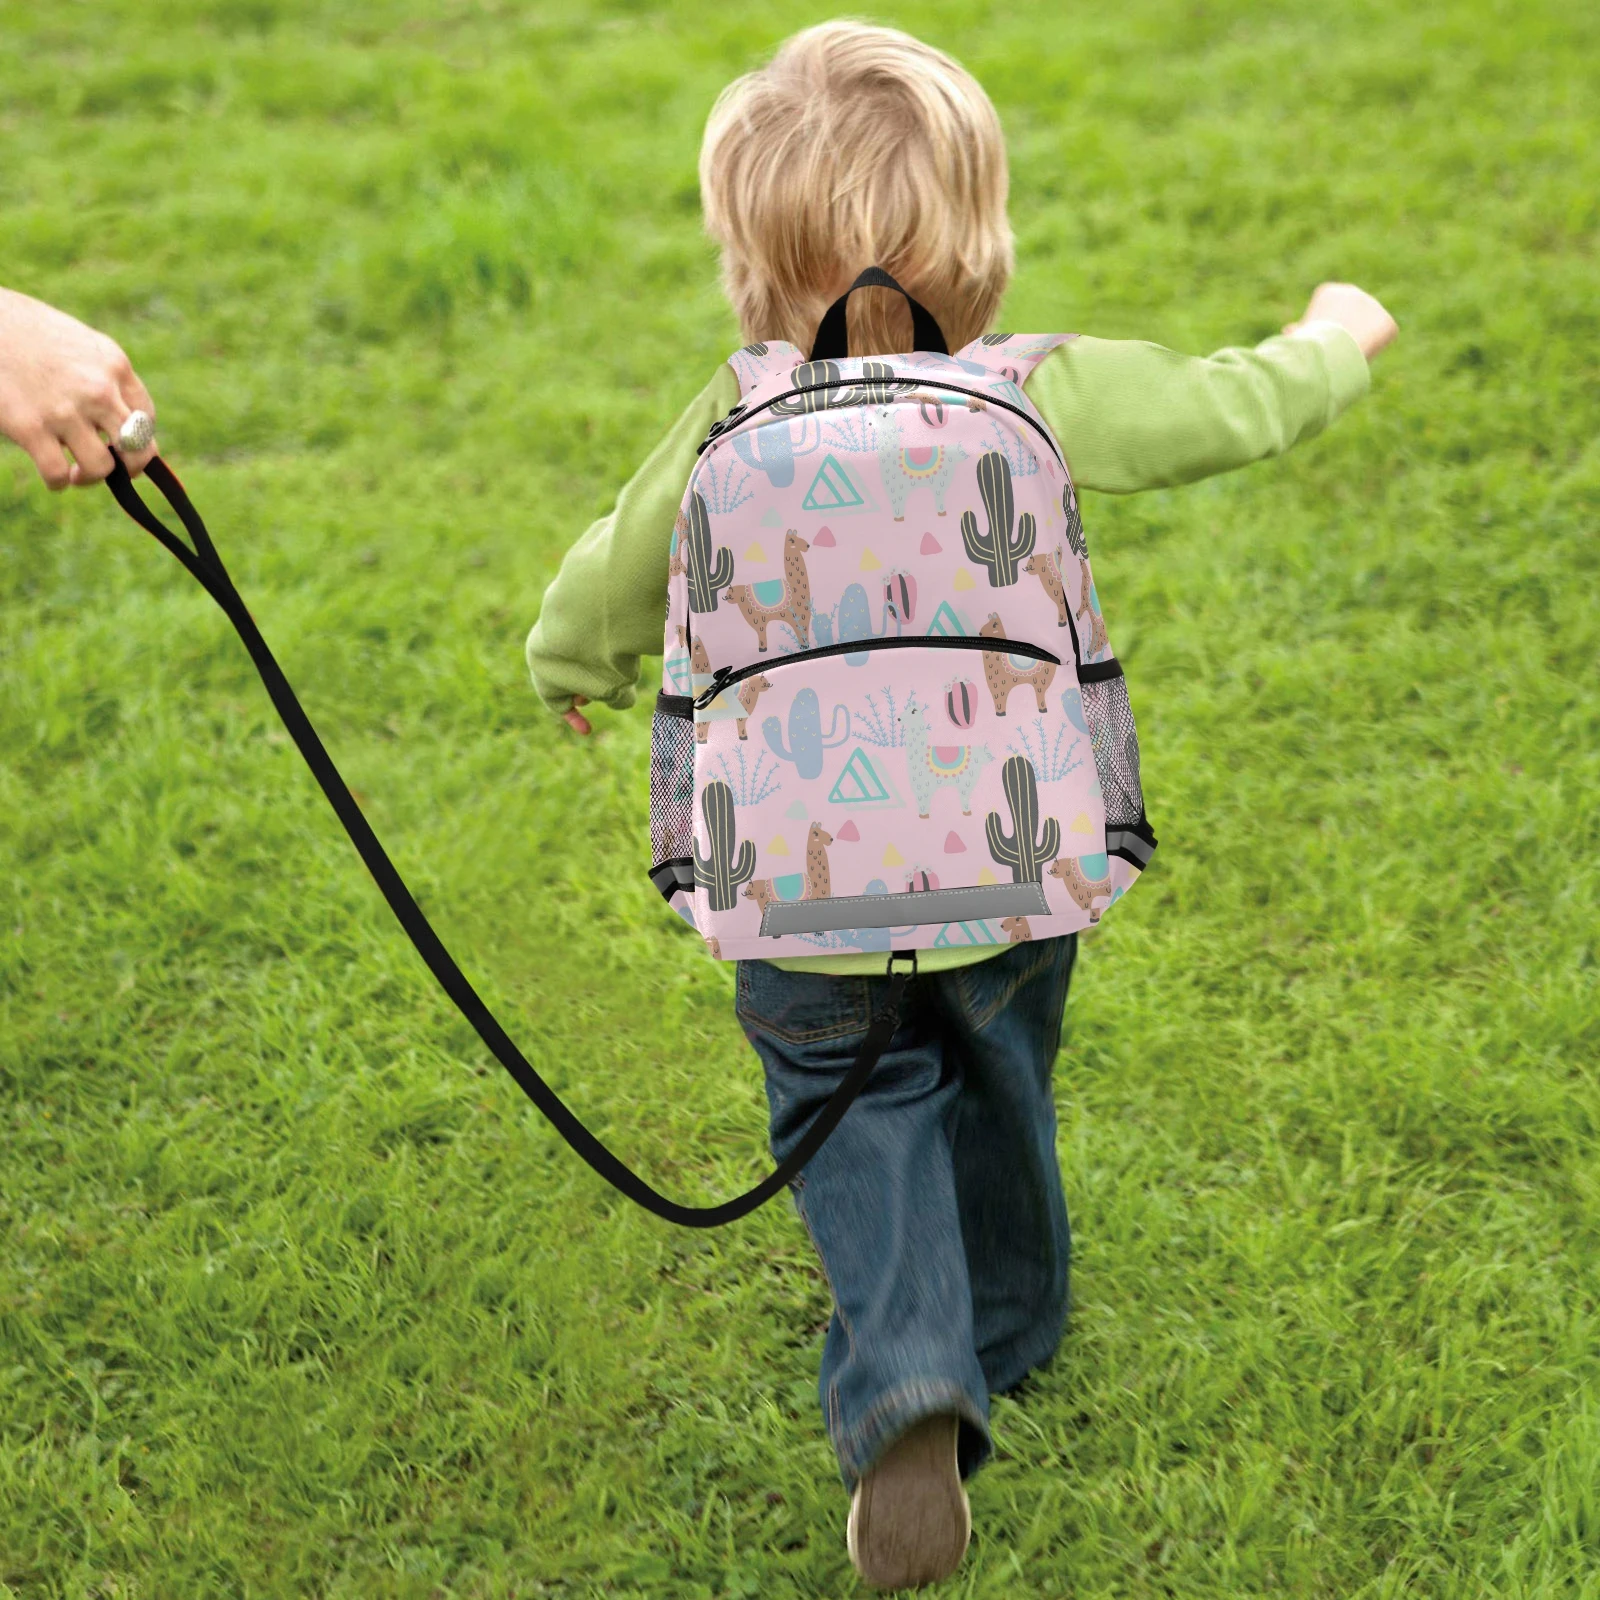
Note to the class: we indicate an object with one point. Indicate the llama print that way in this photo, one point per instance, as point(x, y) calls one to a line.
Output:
point(904, 469)
point(817, 883)
point(1017, 927)
point(1047, 569)
point(786, 599)
point(1084, 889)
point(736, 703)
point(934, 766)
point(1089, 602)
point(1004, 672)
point(1091, 608)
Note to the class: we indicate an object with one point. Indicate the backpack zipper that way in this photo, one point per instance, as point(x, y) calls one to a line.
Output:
point(720, 430)
point(726, 677)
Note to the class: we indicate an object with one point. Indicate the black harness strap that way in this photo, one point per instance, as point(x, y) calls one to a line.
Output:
point(205, 566)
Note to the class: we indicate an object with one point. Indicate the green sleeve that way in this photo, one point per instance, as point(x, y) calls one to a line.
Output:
point(1129, 416)
point(604, 608)
point(1132, 416)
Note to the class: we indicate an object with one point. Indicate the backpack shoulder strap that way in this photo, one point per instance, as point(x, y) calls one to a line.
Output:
point(757, 365)
point(1012, 355)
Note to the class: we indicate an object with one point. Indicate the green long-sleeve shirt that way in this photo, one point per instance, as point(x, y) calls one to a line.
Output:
point(1128, 416)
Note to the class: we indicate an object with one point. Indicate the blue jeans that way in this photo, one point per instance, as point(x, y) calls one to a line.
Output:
point(936, 1207)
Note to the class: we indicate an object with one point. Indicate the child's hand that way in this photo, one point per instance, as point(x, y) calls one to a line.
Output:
point(1354, 310)
point(574, 718)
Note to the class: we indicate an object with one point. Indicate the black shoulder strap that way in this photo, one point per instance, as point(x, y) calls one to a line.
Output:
point(832, 342)
point(205, 565)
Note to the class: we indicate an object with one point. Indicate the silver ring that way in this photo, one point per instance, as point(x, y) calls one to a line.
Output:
point(137, 431)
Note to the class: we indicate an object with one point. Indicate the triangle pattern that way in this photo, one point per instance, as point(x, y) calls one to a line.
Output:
point(860, 783)
point(958, 935)
point(946, 624)
point(833, 489)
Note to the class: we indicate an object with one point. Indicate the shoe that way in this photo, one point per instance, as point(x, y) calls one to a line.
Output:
point(909, 1516)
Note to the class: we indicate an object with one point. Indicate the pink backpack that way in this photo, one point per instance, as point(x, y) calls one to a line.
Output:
point(890, 718)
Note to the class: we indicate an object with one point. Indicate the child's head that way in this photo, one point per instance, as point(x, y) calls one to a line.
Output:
point(856, 147)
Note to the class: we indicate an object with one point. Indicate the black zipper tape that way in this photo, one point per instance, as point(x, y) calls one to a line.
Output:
point(877, 400)
point(726, 677)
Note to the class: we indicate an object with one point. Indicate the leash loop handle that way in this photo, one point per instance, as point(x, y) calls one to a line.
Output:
point(205, 565)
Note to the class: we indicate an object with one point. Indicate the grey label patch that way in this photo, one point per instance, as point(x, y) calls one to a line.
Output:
point(903, 910)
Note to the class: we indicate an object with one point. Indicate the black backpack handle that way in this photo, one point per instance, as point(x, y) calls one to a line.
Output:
point(832, 342)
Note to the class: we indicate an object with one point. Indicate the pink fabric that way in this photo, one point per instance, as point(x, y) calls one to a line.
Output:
point(886, 771)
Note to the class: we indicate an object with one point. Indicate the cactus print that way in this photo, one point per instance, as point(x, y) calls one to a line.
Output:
point(877, 795)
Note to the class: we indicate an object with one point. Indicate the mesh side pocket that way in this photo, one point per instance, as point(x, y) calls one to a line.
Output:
point(1115, 743)
point(671, 786)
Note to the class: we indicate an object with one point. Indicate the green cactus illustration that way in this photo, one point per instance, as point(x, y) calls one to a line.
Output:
point(1069, 509)
point(997, 550)
point(878, 384)
point(706, 576)
point(731, 861)
point(805, 376)
point(1026, 858)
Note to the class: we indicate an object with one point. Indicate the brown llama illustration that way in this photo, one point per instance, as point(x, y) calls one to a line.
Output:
point(1002, 673)
point(819, 881)
point(1085, 891)
point(737, 704)
point(1047, 569)
point(785, 600)
point(1097, 623)
point(1017, 927)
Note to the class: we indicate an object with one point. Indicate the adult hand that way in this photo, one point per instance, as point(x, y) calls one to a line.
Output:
point(574, 718)
point(1354, 310)
point(60, 382)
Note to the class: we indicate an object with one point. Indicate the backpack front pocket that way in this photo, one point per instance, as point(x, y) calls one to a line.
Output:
point(895, 793)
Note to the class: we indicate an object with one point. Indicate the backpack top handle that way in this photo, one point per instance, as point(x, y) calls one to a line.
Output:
point(833, 339)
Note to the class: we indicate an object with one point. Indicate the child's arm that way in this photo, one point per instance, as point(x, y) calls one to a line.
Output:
point(1135, 416)
point(603, 609)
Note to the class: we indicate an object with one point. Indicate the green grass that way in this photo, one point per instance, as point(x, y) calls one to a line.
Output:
point(297, 1297)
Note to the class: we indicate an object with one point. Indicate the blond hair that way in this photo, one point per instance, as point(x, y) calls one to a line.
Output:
point(857, 146)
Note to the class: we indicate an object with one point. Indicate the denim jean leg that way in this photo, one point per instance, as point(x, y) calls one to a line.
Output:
point(879, 1203)
point(1003, 1027)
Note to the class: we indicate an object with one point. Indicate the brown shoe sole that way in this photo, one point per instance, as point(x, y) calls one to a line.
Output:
point(909, 1519)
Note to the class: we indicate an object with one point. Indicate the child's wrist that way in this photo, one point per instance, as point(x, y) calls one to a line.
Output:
point(1348, 368)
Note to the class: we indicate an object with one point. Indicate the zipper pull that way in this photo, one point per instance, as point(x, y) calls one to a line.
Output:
point(713, 689)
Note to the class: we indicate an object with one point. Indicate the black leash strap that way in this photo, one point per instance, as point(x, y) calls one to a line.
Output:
point(205, 566)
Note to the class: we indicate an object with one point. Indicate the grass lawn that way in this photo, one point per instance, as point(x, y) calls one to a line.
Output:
point(299, 1298)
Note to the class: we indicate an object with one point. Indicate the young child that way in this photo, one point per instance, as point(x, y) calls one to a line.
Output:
point(936, 1207)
